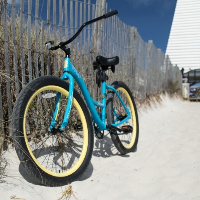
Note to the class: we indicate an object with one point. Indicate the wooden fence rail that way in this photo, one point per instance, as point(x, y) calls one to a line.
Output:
point(26, 26)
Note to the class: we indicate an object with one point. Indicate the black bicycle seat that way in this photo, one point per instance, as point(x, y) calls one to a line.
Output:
point(107, 61)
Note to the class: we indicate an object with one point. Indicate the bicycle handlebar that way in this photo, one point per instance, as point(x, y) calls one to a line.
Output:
point(114, 12)
point(62, 44)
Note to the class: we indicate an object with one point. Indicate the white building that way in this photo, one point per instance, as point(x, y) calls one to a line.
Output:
point(184, 41)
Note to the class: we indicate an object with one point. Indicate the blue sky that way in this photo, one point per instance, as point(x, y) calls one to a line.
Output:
point(153, 18)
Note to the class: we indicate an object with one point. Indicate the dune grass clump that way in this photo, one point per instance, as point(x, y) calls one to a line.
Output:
point(67, 193)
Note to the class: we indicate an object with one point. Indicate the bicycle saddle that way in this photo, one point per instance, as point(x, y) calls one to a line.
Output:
point(107, 61)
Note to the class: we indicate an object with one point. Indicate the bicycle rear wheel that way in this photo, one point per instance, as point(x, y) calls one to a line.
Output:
point(126, 142)
point(56, 158)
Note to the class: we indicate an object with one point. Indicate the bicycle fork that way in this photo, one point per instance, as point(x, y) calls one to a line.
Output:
point(69, 77)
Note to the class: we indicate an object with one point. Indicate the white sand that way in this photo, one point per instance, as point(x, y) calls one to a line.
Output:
point(165, 166)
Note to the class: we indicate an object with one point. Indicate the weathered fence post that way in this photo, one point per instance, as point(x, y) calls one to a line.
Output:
point(76, 28)
point(84, 39)
point(133, 38)
point(179, 79)
point(159, 69)
point(1, 8)
point(29, 41)
point(66, 18)
point(170, 72)
point(100, 10)
point(41, 48)
point(48, 35)
point(145, 70)
point(2, 135)
point(22, 42)
point(136, 71)
point(36, 38)
point(93, 53)
point(149, 70)
point(60, 39)
point(166, 71)
point(7, 68)
point(80, 41)
point(14, 49)
point(54, 33)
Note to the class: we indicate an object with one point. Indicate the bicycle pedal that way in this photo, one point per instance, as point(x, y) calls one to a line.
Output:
point(127, 129)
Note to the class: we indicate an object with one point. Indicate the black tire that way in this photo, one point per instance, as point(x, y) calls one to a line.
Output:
point(42, 153)
point(128, 142)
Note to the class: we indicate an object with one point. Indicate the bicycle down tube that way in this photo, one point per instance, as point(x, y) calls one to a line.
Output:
point(69, 73)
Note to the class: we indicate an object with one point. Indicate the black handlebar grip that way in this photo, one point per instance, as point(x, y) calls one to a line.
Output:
point(54, 48)
point(114, 12)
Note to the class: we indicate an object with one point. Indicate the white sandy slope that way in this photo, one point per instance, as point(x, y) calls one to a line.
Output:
point(166, 165)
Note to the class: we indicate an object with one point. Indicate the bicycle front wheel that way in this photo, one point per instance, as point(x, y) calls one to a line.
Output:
point(53, 158)
point(124, 142)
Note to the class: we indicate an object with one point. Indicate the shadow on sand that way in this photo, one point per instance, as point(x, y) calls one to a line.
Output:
point(103, 148)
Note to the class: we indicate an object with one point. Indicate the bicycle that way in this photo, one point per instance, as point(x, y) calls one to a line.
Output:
point(53, 129)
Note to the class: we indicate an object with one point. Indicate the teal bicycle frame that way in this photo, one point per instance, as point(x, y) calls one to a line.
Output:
point(70, 73)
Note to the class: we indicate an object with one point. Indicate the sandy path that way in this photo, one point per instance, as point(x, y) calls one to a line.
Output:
point(165, 166)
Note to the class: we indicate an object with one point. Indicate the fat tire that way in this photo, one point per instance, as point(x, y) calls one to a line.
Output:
point(19, 141)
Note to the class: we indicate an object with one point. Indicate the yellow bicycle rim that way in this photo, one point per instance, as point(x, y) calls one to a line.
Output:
point(131, 143)
point(85, 132)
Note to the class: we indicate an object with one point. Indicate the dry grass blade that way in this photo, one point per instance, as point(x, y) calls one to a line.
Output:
point(14, 197)
point(68, 192)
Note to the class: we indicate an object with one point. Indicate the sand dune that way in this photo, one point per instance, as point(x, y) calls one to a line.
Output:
point(165, 166)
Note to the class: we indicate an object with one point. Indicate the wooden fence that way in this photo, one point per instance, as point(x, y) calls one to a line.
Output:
point(26, 25)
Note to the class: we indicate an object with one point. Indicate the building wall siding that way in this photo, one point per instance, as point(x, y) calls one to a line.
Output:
point(184, 41)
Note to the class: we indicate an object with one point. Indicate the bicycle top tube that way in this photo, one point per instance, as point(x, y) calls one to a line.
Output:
point(62, 44)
